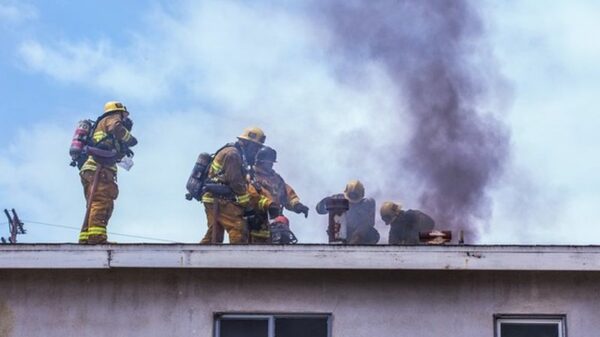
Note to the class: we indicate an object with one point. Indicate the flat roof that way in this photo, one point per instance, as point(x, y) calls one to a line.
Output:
point(303, 256)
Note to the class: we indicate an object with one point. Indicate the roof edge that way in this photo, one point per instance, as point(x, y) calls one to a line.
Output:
point(370, 257)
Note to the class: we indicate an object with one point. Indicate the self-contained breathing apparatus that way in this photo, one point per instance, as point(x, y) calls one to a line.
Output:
point(198, 183)
point(83, 146)
point(81, 138)
point(281, 233)
point(197, 179)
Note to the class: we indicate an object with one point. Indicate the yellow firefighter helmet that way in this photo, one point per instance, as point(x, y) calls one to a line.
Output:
point(114, 106)
point(354, 191)
point(389, 211)
point(253, 134)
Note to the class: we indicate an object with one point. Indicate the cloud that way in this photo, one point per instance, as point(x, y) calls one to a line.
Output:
point(17, 12)
point(95, 64)
point(67, 62)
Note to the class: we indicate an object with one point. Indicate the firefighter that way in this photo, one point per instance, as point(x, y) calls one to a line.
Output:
point(271, 185)
point(404, 225)
point(227, 192)
point(360, 216)
point(110, 142)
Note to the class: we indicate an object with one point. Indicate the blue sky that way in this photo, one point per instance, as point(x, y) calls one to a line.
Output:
point(195, 73)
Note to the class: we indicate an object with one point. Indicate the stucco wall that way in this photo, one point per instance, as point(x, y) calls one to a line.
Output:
point(181, 302)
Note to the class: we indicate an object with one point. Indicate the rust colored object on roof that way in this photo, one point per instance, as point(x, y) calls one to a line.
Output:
point(336, 230)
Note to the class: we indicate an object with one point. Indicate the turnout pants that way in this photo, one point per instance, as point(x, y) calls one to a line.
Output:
point(102, 204)
point(227, 216)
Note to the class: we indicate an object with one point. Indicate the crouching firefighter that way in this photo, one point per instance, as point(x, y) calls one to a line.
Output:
point(360, 217)
point(225, 193)
point(405, 225)
point(108, 143)
point(273, 187)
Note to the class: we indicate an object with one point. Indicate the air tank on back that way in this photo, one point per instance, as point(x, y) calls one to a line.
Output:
point(79, 140)
point(198, 176)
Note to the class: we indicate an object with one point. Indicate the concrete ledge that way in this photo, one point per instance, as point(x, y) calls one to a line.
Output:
point(56, 257)
point(379, 257)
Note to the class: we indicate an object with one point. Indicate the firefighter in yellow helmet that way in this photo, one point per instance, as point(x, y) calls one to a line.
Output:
point(360, 216)
point(110, 142)
point(271, 184)
point(404, 225)
point(227, 194)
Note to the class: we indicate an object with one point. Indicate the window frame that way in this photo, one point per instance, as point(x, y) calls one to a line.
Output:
point(560, 319)
point(270, 317)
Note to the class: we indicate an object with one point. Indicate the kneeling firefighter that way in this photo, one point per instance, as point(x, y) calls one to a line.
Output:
point(272, 185)
point(107, 143)
point(225, 192)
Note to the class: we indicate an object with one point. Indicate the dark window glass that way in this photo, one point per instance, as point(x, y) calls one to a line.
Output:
point(528, 330)
point(244, 328)
point(301, 327)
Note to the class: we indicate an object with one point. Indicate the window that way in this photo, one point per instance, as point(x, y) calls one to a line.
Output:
point(530, 326)
point(278, 325)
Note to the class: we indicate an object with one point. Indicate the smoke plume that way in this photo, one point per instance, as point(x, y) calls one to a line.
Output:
point(435, 53)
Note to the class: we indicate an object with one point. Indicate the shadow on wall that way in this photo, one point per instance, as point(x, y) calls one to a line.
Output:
point(7, 320)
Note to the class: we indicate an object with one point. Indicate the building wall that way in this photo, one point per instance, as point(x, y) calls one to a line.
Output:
point(181, 302)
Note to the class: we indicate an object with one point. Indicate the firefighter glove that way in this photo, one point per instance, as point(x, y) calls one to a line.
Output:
point(274, 210)
point(301, 208)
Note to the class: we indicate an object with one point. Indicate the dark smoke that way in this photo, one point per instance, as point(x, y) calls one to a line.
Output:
point(436, 54)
